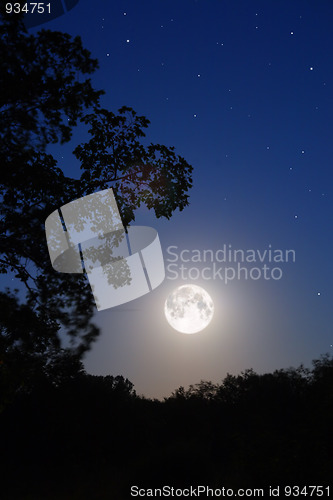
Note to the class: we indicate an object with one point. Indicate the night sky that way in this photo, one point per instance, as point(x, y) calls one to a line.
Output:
point(244, 91)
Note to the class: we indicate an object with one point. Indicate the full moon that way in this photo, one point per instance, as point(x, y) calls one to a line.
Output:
point(189, 309)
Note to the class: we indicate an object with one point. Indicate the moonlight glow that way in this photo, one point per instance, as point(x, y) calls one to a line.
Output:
point(189, 309)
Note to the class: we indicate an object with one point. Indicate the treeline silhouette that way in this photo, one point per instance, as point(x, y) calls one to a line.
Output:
point(91, 437)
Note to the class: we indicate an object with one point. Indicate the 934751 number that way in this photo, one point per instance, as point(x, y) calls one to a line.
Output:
point(32, 7)
point(311, 491)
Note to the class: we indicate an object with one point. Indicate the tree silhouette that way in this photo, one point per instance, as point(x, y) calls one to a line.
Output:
point(93, 437)
point(115, 157)
point(43, 93)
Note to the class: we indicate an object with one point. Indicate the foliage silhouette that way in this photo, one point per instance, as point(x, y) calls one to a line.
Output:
point(94, 437)
point(115, 157)
point(43, 94)
point(45, 90)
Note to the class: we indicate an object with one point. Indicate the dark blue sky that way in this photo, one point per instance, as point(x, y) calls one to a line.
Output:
point(244, 91)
